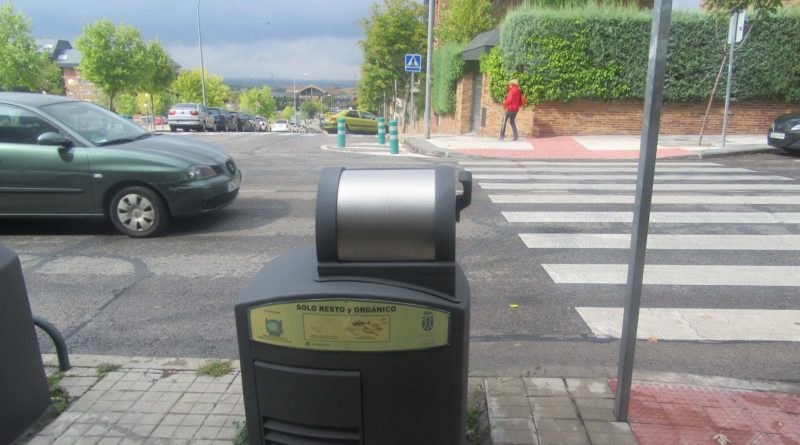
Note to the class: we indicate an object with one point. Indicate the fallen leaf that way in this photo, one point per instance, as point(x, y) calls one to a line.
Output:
point(653, 339)
point(513, 306)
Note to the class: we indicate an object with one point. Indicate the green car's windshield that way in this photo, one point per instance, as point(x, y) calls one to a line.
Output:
point(98, 125)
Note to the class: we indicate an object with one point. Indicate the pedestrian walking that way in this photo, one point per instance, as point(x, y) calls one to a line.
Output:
point(514, 101)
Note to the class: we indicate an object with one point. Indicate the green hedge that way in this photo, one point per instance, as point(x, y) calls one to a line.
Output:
point(601, 53)
point(447, 69)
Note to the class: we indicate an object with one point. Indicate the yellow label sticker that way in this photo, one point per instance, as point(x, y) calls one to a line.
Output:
point(349, 325)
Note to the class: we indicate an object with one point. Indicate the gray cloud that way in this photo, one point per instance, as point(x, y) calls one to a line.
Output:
point(241, 38)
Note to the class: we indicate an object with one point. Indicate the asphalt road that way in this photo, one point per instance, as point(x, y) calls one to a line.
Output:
point(172, 296)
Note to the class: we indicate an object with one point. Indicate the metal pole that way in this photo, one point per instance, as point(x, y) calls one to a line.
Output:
point(431, 7)
point(732, 37)
point(202, 66)
point(654, 92)
point(411, 103)
point(294, 102)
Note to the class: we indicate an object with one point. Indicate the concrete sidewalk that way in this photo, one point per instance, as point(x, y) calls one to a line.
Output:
point(164, 401)
point(583, 147)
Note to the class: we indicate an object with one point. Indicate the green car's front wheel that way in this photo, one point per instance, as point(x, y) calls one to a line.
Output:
point(138, 212)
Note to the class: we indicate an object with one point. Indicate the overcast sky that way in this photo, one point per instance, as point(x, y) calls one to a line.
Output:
point(241, 38)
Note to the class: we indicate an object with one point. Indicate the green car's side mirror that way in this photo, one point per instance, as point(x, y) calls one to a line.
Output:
point(52, 138)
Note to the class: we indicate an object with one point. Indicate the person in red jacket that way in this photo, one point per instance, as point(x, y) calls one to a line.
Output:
point(514, 101)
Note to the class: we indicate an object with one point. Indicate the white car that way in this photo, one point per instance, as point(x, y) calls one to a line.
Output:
point(281, 125)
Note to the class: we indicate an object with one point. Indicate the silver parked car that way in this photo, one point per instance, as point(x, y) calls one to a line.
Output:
point(190, 116)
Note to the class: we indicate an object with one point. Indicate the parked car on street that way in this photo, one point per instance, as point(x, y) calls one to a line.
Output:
point(281, 125)
point(785, 132)
point(354, 121)
point(189, 116)
point(248, 122)
point(222, 119)
point(242, 120)
point(263, 125)
point(65, 157)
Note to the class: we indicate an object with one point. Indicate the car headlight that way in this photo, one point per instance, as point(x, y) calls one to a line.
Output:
point(796, 127)
point(200, 172)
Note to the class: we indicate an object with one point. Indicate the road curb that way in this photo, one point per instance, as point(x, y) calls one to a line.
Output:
point(422, 146)
point(193, 363)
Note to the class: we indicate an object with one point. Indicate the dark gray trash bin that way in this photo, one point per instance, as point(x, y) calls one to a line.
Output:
point(363, 338)
point(24, 395)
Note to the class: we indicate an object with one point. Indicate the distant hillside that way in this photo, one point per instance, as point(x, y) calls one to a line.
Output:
point(244, 84)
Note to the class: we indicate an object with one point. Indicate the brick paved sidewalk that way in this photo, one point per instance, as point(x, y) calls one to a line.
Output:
point(550, 411)
point(165, 401)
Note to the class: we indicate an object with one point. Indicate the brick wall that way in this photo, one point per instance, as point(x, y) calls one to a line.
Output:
point(586, 117)
point(459, 122)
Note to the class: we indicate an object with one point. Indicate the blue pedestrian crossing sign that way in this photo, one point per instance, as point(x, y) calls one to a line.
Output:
point(413, 63)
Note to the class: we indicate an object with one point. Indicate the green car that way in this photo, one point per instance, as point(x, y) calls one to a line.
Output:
point(355, 122)
point(64, 157)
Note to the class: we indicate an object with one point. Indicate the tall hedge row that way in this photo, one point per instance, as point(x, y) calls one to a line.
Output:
point(447, 68)
point(601, 53)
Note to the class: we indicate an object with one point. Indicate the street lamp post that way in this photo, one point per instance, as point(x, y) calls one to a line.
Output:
point(294, 94)
point(202, 66)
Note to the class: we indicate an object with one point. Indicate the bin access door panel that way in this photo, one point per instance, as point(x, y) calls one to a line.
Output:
point(303, 405)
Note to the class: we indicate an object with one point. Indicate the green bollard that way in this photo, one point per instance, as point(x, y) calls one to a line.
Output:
point(394, 147)
point(381, 130)
point(342, 130)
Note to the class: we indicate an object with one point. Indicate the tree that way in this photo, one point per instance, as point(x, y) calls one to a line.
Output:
point(309, 108)
point(726, 8)
point(156, 74)
point(464, 19)
point(188, 87)
point(23, 66)
point(288, 112)
point(126, 104)
point(111, 55)
point(258, 101)
point(393, 29)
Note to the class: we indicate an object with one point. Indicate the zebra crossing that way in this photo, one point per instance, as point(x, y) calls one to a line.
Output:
point(727, 230)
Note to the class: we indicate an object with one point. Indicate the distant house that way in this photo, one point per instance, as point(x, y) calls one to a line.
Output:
point(68, 60)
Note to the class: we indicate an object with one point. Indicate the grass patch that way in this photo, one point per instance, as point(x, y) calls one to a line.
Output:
point(58, 395)
point(241, 433)
point(216, 368)
point(105, 368)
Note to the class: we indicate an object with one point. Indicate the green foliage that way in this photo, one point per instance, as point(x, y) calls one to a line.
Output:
point(111, 57)
point(309, 108)
point(447, 69)
point(157, 73)
point(258, 101)
point(58, 395)
point(188, 87)
point(288, 112)
point(394, 28)
point(240, 437)
point(216, 368)
point(104, 368)
point(126, 105)
point(464, 19)
point(23, 67)
point(601, 53)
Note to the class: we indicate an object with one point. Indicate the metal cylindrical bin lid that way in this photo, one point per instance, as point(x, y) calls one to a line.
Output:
point(373, 215)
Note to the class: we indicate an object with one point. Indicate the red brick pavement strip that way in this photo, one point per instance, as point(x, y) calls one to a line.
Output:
point(671, 414)
point(565, 147)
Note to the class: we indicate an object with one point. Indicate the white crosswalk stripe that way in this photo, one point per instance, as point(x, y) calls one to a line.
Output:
point(660, 242)
point(570, 208)
point(661, 177)
point(632, 186)
point(657, 199)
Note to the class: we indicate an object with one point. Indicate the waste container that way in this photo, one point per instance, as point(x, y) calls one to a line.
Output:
point(363, 337)
point(24, 395)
